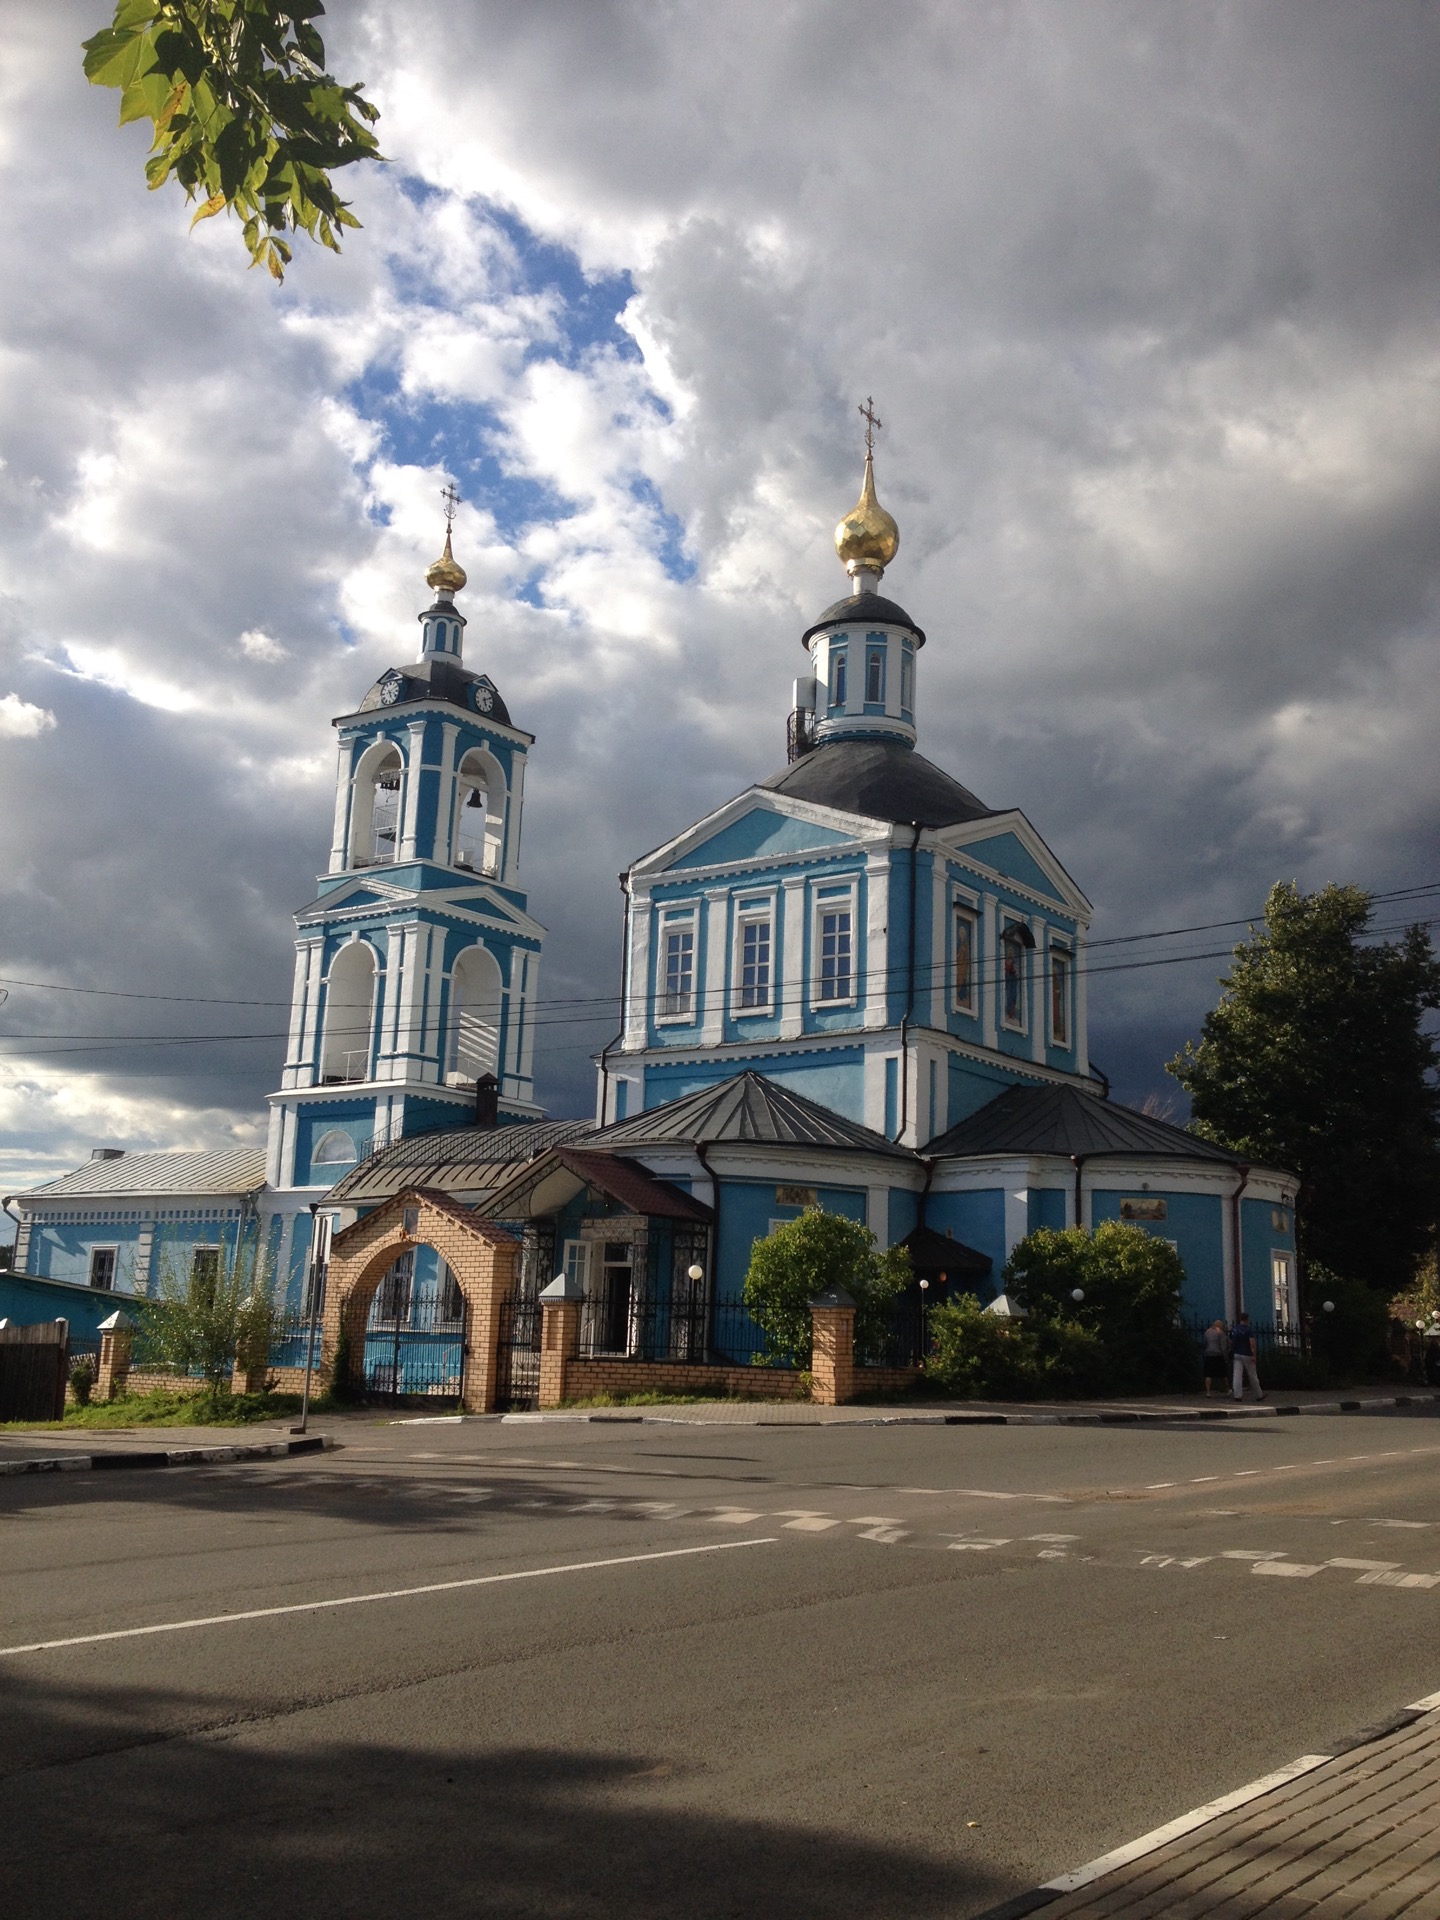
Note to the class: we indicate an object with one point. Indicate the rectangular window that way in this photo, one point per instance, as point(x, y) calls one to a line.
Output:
point(1059, 997)
point(1280, 1270)
point(755, 964)
point(102, 1267)
point(678, 1000)
point(964, 971)
point(837, 979)
point(1012, 973)
point(875, 676)
point(616, 1289)
point(576, 1262)
point(837, 678)
point(907, 680)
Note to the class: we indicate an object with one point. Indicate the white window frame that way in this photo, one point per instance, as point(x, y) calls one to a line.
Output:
point(841, 899)
point(90, 1280)
point(686, 920)
point(969, 905)
point(876, 655)
point(1066, 952)
point(1022, 1025)
point(752, 910)
point(838, 667)
point(575, 1261)
point(907, 679)
point(1282, 1257)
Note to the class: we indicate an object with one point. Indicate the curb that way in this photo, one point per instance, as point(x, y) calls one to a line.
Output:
point(1032, 1901)
point(175, 1457)
point(1128, 1418)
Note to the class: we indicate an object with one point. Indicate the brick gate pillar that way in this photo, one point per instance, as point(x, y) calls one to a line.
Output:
point(559, 1337)
point(832, 1351)
point(117, 1343)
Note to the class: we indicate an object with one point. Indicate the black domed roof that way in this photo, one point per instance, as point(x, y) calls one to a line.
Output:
point(861, 607)
point(435, 678)
point(881, 779)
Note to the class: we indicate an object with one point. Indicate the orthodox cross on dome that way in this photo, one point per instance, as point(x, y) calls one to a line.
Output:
point(872, 421)
point(867, 539)
point(452, 501)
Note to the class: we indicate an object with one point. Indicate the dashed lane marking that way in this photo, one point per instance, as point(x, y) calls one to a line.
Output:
point(1286, 1569)
point(1399, 1580)
point(1366, 1566)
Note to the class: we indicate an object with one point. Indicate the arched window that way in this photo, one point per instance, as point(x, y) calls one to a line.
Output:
point(375, 806)
point(349, 1012)
point(480, 814)
point(474, 1036)
point(333, 1149)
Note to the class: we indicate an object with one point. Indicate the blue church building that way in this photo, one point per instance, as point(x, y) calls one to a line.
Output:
point(854, 985)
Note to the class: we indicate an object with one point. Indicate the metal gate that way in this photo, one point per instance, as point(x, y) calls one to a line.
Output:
point(414, 1340)
point(517, 1381)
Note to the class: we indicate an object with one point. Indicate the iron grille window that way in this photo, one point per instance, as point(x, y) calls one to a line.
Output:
point(836, 976)
point(102, 1267)
point(875, 677)
point(392, 1304)
point(679, 997)
point(755, 963)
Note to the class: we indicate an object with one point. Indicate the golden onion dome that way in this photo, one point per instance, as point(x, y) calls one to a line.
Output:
point(446, 574)
point(867, 539)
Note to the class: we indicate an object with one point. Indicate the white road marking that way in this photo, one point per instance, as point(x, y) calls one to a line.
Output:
point(1399, 1580)
point(809, 1522)
point(1366, 1566)
point(1249, 1553)
point(1286, 1569)
point(887, 1536)
point(1155, 1485)
point(976, 1546)
point(1061, 1539)
point(368, 1599)
point(734, 1516)
point(1418, 1524)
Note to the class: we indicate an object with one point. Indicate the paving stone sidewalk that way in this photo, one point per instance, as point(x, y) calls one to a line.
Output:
point(1356, 1835)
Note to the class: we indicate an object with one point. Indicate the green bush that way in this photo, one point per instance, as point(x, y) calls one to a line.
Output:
point(978, 1355)
point(802, 1258)
point(82, 1380)
point(1132, 1283)
point(1283, 1370)
point(1354, 1340)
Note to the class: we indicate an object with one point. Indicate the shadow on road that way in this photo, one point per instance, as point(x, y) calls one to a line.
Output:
point(252, 1821)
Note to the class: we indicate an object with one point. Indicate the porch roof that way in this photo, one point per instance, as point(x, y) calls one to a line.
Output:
point(554, 1178)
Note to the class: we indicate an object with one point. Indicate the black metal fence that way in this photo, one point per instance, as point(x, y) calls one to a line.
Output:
point(615, 1324)
point(1270, 1336)
point(905, 1339)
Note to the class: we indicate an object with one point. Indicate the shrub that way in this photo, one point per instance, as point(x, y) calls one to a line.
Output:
point(200, 1321)
point(1132, 1285)
point(977, 1355)
point(1354, 1340)
point(82, 1380)
point(802, 1258)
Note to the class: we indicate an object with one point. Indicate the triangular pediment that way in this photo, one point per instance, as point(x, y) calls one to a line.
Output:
point(753, 828)
point(1007, 844)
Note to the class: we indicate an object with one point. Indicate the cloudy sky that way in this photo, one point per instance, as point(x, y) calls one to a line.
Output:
point(1146, 295)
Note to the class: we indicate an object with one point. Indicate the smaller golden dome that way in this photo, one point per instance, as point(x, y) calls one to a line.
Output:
point(446, 574)
point(867, 539)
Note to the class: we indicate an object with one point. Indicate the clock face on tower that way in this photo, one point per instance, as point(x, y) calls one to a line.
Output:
point(484, 697)
point(391, 688)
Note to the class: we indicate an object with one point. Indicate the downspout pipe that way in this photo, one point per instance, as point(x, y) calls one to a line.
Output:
point(1237, 1245)
point(5, 1202)
point(916, 830)
point(1100, 1074)
point(1077, 1161)
point(624, 1003)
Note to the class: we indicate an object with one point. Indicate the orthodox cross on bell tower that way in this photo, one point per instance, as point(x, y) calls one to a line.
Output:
point(872, 421)
point(452, 502)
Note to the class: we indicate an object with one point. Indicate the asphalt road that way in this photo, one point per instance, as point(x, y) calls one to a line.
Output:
point(812, 1670)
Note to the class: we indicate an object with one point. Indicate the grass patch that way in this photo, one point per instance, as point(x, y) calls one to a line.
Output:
point(165, 1409)
point(651, 1397)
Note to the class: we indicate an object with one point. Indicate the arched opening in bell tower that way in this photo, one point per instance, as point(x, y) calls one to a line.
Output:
point(480, 814)
point(375, 806)
point(474, 1037)
point(349, 1014)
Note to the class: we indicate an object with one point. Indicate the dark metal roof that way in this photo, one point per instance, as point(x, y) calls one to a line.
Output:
point(932, 1252)
point(1062, 1120)
point(747, 1107)
point(438, 679)
point(459, 1159)
point(863, 608)
point(882, 779)
point(635, 1187)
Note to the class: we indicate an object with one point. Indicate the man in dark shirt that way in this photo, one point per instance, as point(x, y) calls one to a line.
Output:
point(1242, 1355)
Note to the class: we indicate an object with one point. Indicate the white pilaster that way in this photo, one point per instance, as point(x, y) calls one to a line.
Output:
point(410, 797)
point(713, 984)
point(988, 972)
point(1017, 1217)
point(939, 944)
point(340, 840)
point(637, 971)
point(516, 805)
point(445, 811)
point(792, 959)
point(874, 956)
point(307, 1055)
point(1040, 981)
point(1082, 1005)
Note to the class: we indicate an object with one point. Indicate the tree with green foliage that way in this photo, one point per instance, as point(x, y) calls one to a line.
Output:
point(979, 1356)
point(203, 1319)
point(1132, 1285)
point(803, 1257)
point(243, 112)
point(1317, 1059)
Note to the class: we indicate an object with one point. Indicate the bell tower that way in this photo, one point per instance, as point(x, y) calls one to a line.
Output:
point(417, 963)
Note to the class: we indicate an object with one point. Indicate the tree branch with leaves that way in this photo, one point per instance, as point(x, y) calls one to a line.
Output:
point(244, 115)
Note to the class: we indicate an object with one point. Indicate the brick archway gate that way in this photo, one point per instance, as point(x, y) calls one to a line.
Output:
point(482, 1257)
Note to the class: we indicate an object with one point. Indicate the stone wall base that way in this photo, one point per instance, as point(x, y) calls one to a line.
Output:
point(586, 1378)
